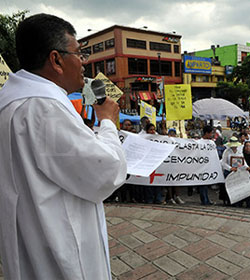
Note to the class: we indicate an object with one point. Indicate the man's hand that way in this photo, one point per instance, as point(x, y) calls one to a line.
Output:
point(108, 110)
point(233, 169)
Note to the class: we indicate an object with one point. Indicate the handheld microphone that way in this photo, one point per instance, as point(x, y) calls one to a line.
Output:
point(98, 88)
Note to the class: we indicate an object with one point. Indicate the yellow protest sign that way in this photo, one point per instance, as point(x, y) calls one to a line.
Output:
point(149, 111)
point(4, 71)
point(111, 90)
point(178, 102)
point(118, 123)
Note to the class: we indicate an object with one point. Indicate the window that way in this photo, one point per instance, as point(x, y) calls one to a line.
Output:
point(160, 68)
point(137, 66)
point(88, 70)
point(205, 79)
point(177, 71)
point(176, 49)
point(99, 67)
point(193, 78)
point(139, 44)
point(109, 44)
point(160, 47)
point(98, 47)
point(110, 67)
point(220, 78)
point(87, 50)
point(243, 55)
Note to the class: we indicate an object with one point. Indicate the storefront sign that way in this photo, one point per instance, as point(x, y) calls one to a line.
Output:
point(194, 64)
point(170, 39)
point(145, 79)
point(229, 69)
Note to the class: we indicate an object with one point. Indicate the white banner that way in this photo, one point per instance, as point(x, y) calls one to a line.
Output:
point(193, 162)
point(238, 185)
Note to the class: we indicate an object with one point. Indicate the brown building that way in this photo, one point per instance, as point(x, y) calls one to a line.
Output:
point(133, 59)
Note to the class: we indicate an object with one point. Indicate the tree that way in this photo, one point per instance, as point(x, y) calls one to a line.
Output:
point(241, 73)
point(232, 92)
point(238, 85)
point(8, 26)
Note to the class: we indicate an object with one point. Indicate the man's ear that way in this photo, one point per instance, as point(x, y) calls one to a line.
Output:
point(56, 61)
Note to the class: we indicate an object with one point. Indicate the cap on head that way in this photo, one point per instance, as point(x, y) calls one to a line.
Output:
point(233, 142)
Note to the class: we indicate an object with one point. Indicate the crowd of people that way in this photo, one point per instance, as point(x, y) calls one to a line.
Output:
point(235, 147)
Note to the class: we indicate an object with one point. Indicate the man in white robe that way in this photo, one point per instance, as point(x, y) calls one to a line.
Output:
point(54, 171)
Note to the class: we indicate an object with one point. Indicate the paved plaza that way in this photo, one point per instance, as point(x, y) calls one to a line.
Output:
point(187, 242)
point(183, 242)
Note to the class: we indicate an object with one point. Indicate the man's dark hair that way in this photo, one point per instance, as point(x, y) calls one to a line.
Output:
point(242, 134)
point(144, 118)
point(37, 36)
point(207, 129)
point(148, 126)
point(144, 121)
point(127, 120)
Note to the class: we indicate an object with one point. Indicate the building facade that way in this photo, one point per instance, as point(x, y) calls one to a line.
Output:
point(227, 55)
point(202, 75)
point(134, 59)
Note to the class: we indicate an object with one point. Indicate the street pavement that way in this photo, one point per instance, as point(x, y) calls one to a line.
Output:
point(184, 242)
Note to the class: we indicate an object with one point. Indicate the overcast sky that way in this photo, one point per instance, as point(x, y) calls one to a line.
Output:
point(200, 23)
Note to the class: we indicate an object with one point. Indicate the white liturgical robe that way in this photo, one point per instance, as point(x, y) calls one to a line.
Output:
point(55, 173)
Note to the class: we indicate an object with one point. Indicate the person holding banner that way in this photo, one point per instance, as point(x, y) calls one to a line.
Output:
point(150, 128)
point(232, 159)
point(144, 121)
point(246, 154)
point(208, 135)
point(153, 194)
point(127, 125)
point(55, 172)
point(173, 192)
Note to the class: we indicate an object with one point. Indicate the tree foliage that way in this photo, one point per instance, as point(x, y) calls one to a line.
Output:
point(8, 26)
point(232, 92)
point(238, 85)
point(241, 73)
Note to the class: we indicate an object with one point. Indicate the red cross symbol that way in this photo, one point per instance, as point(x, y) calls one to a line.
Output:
point(153, 175)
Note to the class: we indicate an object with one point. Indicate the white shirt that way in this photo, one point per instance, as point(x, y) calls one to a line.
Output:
point(55, 173)
point(227, 155)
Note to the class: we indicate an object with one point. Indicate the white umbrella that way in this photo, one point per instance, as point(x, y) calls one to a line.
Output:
point(217, 109)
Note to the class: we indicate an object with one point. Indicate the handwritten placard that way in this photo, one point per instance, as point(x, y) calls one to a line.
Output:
point(149, 111)
point(178, 102)
point(111, 89)
point(4, 71)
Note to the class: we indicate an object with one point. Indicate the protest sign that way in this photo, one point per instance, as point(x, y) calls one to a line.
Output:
point(160, 87)
point(4, 71)
point(238, 185)
point(111, 89)
point(149, 111)
point(178, 102)
point(192, 162)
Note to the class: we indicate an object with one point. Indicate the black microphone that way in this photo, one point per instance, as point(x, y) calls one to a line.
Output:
point(98, 88)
